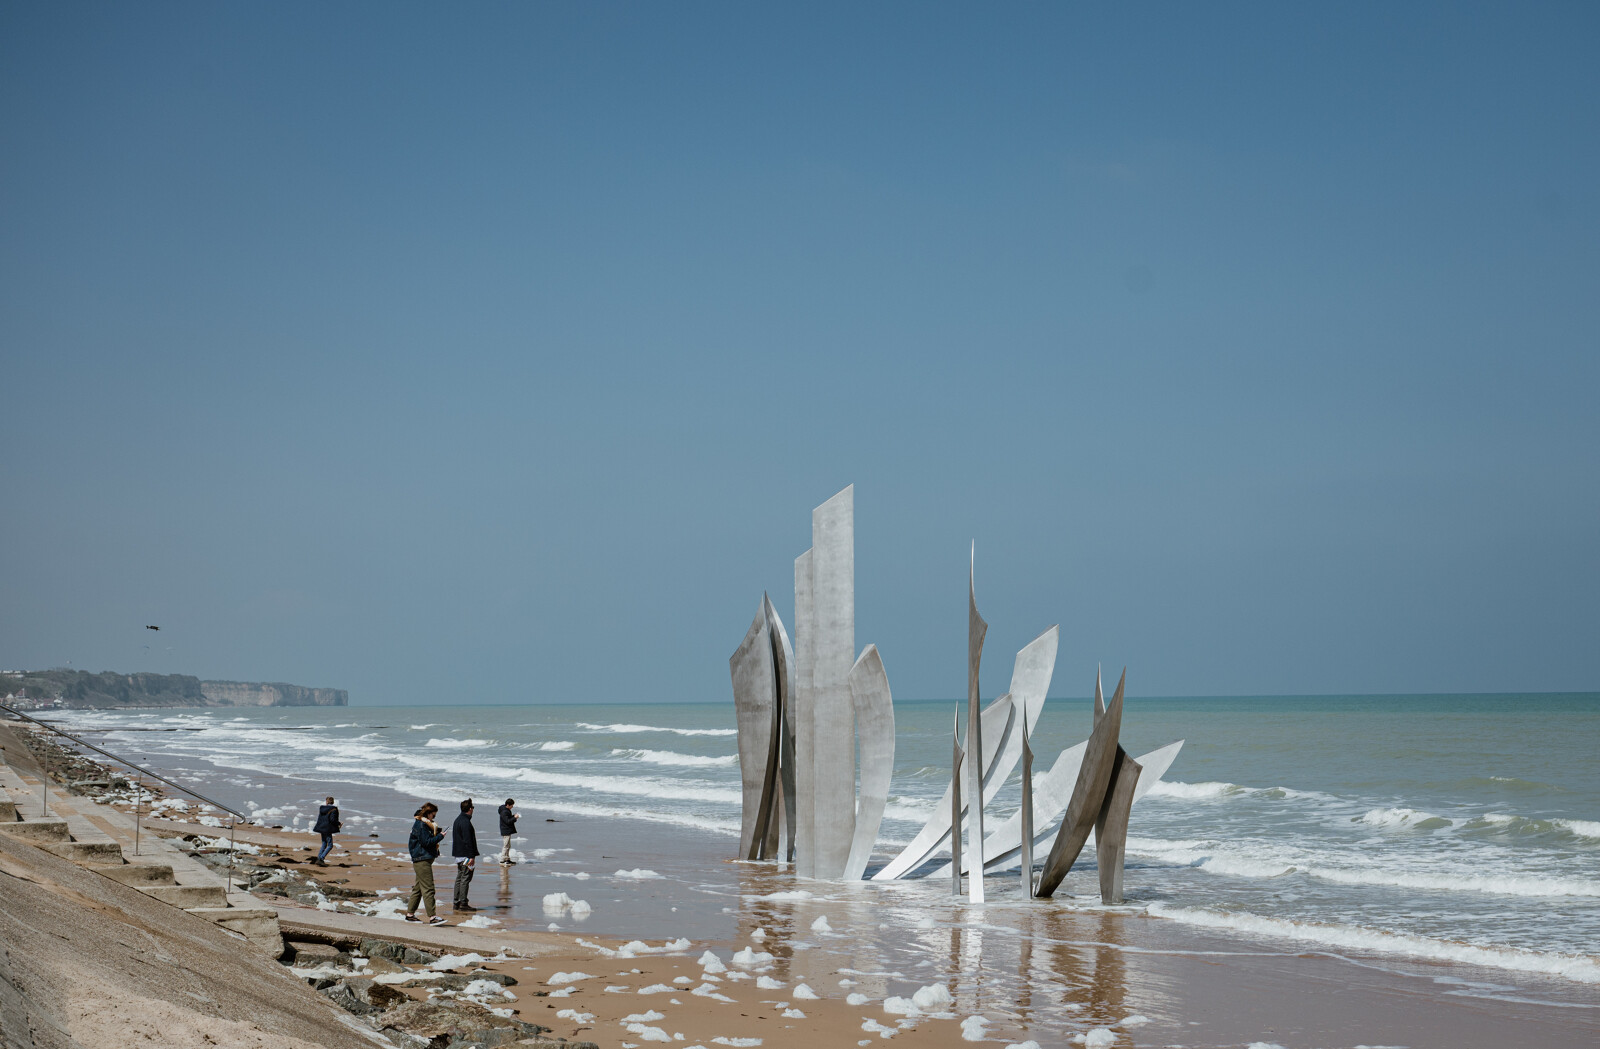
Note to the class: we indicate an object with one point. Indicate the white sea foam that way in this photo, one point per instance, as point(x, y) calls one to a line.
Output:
point(456, 744)
point(670, 757)
point(1258, 860)
point(625, 729)
point(557, 744)
point(1573, 967)
point(1400, 817)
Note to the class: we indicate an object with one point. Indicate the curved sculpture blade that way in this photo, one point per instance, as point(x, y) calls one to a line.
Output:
point(977, 629)
point(953, 796)
point(1155, 765)
point(755, 708)
point(1111, 827)
point(804, 718)
point(1094, 776)
point(933, 835)
point(1026, 813)
point(1051, 792)
point(874, 708)
point(783, 659)
point(1030, 682)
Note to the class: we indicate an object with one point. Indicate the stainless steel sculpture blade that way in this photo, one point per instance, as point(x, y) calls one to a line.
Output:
point(1051, 793)
point(1025, 813)
point(1155, 765)
point(783, 658)
point(1087, 795)
point(977, 629)
point(1030, 681)
point(833, 652)
point(755, 703)
point(953, 795)
point(804, 722)
point(936, 832)
point(1111, 827)
point(874, 710)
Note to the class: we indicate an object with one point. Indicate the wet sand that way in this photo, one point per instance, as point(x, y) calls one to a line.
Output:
point(1048, 972)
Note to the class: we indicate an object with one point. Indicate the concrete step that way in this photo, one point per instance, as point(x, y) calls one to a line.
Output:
point(187, 896)
point(36, 831)
point(8, 811)
point(139, 874)
point(85, 852)
point(259, 925)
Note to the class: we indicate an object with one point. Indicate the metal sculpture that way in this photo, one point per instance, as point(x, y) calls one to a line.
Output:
point(874, 710)
point(954, 794)
point(977, 629)
point(1089, 794)
point(805, 708)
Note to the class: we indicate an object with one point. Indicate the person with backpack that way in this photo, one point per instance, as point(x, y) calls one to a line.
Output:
point(464, 847)
point(327, 825)
point(424, 844)
point(508, 827)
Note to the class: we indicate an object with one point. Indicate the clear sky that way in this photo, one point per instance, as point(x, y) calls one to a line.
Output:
point(499, 352)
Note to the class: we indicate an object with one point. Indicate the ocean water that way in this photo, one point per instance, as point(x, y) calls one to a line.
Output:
point(1446, 828)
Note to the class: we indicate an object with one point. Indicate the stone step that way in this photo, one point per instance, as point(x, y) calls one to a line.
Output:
point(259, 925)
point(139, 874)
point(85, 852)
point(187, 896)
point(8, 811)
point(36, 831)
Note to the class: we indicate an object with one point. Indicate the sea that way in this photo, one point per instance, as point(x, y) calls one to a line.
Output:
point(1441, 828)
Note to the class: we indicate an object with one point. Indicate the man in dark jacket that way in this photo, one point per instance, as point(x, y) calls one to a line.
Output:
point(508, 827)
point(464, 847)
point(424, 844)
point(327, 825)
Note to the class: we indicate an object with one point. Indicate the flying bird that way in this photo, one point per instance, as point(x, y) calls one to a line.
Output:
point(147, 627)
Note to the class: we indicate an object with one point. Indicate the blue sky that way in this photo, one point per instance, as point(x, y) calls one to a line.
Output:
point(501, 353)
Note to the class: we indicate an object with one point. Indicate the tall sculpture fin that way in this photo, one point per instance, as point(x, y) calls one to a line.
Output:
point(1155, 765)
point(1111, 826)
point(833, 652)
point(977, 629)
point(804, 718)
point(874, 709)
point(1025, 812)
point(783, 658)
point(956, 757)
point(1094, 776)
point(1099, 697)
point(755, 710)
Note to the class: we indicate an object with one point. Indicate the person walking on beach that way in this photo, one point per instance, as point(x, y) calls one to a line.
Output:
point(327, 825)
point(464, 847)
point(425, 839)
point(508, 827)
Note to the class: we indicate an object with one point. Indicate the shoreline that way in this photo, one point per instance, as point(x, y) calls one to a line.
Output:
point(1078, 970)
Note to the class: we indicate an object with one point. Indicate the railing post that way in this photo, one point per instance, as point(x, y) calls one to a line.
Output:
point(46, 743)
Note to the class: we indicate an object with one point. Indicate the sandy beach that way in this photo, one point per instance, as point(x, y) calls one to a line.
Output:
point(792, 963)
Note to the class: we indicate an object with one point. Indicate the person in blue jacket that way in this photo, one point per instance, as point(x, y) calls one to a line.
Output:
point(464, 847)
point(425, 839)
point(327, 825)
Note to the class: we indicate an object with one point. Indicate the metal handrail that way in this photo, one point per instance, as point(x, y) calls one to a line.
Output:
point(143, 771)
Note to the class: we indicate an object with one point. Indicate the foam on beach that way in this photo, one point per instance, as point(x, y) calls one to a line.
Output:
point(1571, 966)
